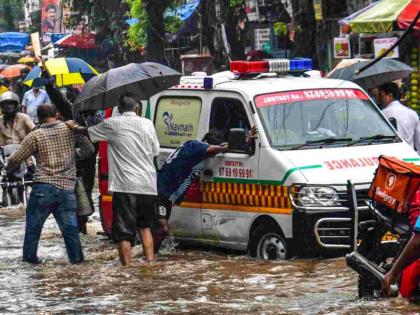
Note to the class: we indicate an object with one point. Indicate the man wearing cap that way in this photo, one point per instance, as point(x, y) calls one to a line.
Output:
point(14, 126)
point(33, 98)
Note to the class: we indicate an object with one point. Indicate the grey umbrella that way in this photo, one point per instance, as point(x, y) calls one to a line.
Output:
point(385, 70)
point(143, 80)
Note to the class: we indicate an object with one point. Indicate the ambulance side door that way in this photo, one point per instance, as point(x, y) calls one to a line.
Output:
point(177, 120)
point(228, 180)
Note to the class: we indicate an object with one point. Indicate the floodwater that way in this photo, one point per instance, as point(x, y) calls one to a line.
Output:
point(181, 281)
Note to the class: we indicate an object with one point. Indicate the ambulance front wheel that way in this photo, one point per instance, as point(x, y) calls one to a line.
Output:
point(267, 242)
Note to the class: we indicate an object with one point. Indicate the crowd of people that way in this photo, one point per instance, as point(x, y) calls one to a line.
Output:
point(64, 145)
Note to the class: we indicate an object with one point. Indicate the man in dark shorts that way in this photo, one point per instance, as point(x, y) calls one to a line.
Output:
point(133, 145)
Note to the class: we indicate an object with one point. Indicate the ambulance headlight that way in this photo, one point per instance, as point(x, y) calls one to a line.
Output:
point(317, 196)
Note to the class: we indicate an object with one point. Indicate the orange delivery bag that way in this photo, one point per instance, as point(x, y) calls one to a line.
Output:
point(394, 184)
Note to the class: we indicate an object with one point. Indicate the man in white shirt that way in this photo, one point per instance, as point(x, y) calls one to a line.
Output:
point(133, 145)
point(408, 125)
point(32, 99)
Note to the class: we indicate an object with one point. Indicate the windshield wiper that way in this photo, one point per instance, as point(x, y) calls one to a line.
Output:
point(371, 139)
point(322, 142)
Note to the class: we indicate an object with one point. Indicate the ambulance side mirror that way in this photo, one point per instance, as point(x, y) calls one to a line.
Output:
point(393, 122)
point(237, 141)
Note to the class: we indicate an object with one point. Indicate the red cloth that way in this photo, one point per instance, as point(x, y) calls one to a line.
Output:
point(411, 275)
point(410, 280)
point(82, 41)
point(408, 15)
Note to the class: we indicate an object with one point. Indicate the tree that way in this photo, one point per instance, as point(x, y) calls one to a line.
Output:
point(107, 19)
point(153, 26)
point(11, 13)
point(305, 28)
point(234, 16)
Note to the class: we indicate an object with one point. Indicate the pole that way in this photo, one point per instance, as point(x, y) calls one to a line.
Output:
point(390, 48)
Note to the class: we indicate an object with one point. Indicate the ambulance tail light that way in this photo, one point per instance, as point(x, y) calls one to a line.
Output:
point(272, 65)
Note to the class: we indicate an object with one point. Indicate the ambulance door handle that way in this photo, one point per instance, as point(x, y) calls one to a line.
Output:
point(208, 173)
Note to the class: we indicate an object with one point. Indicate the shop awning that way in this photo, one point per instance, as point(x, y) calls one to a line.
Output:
point(82, 41)
point(13, 41)
point(184, 11)
point(384, 16)
point(409, 14)
point(380, 18)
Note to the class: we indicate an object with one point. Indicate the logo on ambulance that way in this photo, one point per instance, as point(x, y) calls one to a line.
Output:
point(390, 181)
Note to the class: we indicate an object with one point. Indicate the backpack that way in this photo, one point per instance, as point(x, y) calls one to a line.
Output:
point(394, 184)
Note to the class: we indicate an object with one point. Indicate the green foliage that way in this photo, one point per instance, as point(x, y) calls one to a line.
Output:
point(137, 34)
point(236, 3)
point(280, 28)
point(11, 11)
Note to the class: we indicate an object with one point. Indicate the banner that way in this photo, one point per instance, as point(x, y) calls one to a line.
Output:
point(51, 19)
point(36, 44)
point(342, 47)
point(251, 10)
point(381, 45)
point(177, 120)
point(318, 10)
point(307, 95)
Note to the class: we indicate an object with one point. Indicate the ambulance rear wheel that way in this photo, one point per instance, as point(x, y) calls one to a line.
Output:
point(268, 243)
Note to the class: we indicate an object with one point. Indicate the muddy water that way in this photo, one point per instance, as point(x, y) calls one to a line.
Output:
point(182, 281)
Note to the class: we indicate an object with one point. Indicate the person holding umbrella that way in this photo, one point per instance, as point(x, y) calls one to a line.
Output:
point(408, 125)
point(133, 145)
point(63, 99)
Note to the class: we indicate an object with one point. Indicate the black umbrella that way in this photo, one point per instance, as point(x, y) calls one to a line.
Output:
point(385, 70)
point(143, 80)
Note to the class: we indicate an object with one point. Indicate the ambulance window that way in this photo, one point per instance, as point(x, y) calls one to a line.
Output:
point(177, 120)
point(228, 113)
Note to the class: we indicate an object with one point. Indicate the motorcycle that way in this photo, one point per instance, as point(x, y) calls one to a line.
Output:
point(15, 186)
point(384, 235)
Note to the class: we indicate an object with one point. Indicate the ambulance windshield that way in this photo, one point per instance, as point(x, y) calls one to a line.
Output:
point(304, 119)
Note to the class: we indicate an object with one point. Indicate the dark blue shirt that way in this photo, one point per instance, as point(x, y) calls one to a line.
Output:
point(417, 225)
point(178, 171)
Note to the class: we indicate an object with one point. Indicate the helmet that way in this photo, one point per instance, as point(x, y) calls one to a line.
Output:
point(9, 103)
point(9, 96)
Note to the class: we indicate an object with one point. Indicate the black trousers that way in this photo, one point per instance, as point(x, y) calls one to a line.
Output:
point(87, 169)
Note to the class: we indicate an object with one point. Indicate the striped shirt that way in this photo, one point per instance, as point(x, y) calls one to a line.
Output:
point(180, 169)
point(133, 144)
point(53, 146)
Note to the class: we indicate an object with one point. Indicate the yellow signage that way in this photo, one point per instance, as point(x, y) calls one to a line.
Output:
point(318, 10)
point(177, 120)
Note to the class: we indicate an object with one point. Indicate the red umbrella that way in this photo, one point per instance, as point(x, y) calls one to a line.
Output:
point(409, 14)
point(82, 41)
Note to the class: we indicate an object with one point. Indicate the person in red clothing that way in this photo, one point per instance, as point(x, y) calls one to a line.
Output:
point(408, 264)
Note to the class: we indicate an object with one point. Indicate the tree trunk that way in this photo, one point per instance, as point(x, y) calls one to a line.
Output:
point(156, 30)
point(305, 28)
point(235, 36)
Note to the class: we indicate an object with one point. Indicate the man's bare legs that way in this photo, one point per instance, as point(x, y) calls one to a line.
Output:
point(147, 241)
point(124, 250)
point(124, 247)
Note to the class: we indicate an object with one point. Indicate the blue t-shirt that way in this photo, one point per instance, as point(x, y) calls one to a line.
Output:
point(178, 171)
point(417, 225)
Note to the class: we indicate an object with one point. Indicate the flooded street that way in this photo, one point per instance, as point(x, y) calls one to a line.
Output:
point(182, 281)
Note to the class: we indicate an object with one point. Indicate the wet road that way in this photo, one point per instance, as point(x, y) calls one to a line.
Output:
point(182, 281)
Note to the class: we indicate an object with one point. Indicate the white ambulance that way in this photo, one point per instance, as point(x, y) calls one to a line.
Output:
point(287, 195)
